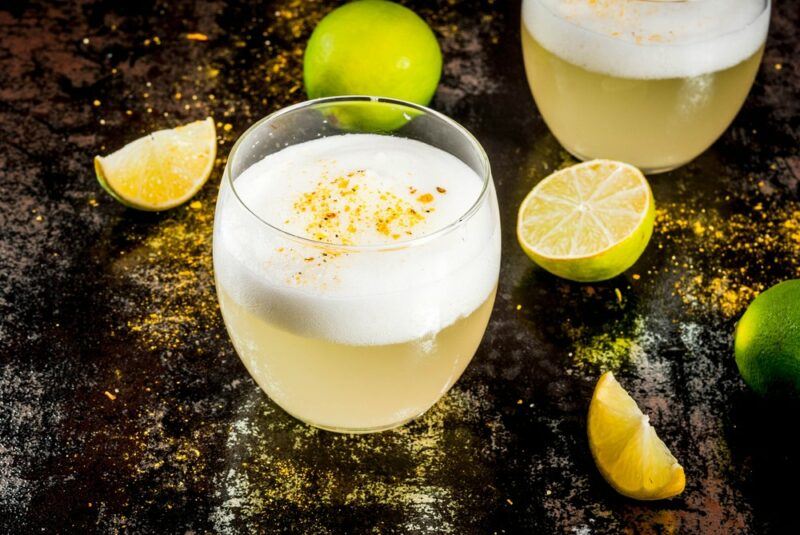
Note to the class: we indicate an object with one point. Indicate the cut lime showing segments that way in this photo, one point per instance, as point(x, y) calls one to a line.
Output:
point(625, 446)
point(160, 170)
point(589, 222)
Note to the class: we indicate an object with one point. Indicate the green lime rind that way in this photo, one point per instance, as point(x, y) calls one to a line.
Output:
point(369, 116)
point(767, 341)
point(373, 48)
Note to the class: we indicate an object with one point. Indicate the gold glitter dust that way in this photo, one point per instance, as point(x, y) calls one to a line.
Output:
point(263, 477)
point(610, 350)
point(197, 36)
point(724, 296)
point(151, 450)
point(725, 260)
point(173, 268)
point(109, 395)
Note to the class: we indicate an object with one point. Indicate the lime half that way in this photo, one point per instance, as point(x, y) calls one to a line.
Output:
point(589, 222)
point(160, 170)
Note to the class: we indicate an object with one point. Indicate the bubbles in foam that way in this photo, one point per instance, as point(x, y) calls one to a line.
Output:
point(357, 189)
point(649, 39)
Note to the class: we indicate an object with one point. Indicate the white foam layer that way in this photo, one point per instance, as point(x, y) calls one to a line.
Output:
point(649, 39)
point(370, 296)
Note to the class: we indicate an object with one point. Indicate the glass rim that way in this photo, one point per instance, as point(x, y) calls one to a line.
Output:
point(766, 4)
point(486, 174)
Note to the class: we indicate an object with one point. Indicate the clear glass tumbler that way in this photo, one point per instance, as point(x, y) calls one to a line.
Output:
point(650, 82)
point(383, 330)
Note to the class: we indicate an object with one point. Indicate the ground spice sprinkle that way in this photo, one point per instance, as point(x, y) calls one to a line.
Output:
point(342, 207)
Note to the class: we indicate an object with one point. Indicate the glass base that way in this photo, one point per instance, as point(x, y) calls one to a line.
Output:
point(358, 431)
point(645, 170)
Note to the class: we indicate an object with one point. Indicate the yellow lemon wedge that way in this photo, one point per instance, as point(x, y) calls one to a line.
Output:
point(626, 449)
point(160, 170)
point(589, 222)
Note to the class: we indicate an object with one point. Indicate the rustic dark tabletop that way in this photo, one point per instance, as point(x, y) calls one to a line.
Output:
point(123, 407)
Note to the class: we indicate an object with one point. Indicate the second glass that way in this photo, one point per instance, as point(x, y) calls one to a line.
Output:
point(651, 83)
point(344, 309)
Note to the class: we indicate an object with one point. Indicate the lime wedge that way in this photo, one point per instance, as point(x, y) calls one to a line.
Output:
point(160, 170)
point(625, 446)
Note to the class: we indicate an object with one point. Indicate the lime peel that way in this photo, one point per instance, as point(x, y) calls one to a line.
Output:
point(767, 342)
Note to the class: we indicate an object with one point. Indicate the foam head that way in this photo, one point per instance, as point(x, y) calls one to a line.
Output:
point(649, 39)
point(357, 190)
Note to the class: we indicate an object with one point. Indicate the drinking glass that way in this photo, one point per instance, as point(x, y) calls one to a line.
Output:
point(652, 83)
point(387, 348)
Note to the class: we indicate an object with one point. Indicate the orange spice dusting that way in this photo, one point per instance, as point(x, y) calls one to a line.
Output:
point(425, 198)
point(441, 190)
point(342, 206)
point(728, 257)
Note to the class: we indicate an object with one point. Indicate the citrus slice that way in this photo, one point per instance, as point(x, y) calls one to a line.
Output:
point(589, 222)
point(160, 170)
point(626, 449)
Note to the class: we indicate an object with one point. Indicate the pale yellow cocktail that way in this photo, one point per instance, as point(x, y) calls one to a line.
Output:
point(356, 274)
point(650, 83)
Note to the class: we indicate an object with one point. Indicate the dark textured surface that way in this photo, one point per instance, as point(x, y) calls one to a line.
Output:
point(123, 407)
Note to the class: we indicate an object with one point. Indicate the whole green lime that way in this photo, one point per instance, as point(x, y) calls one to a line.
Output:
point(376, 48)
point(767, 341)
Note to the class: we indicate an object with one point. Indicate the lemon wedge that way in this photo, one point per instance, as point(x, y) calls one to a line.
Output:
point(626, 449)
point(589, 222)
point(160, 170)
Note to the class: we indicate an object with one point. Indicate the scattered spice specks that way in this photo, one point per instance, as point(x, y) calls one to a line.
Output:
point(724, 257)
